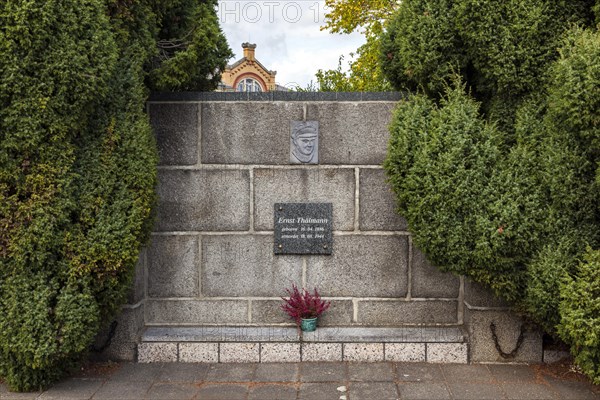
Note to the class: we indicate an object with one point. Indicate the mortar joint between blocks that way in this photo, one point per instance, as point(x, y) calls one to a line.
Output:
point(461, 301)
point(251, 202)
point(199, 146)
point(409, 269)
point(304, 271)
point(199, 266)
point(249, 311)
point(356, 199)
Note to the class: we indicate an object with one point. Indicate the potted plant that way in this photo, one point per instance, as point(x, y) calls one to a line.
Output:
point(304, 307)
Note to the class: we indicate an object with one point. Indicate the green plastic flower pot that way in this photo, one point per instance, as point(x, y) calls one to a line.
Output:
point(308, 325)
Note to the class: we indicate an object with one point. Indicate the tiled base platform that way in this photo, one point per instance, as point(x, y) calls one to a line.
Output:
point(285, 344)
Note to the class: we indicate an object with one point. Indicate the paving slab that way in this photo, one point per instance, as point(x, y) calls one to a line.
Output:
point(223, 392)
point(172, 391)
point(528, 391)
point(409, 372)
point(273, 392)
point(132, 372)
point(123, 390)
point(424, 391)
point(321, 391)
point(317, 380)
point(466, 373)
point(373, 390)
point(476, 391)
point(323, 372)
point(512, 373)
point(6, 394)
point(71, 389)
point(231, 372)
point(569, 390)
point(276, 372)
point(372, 372)
point(184, 372)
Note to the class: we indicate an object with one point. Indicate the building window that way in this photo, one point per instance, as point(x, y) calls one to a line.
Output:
point(249, 85)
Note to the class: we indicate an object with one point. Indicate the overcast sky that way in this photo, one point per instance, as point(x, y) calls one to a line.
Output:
point(287, 36)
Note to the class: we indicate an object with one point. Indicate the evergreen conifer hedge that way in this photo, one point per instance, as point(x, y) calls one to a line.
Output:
point(494, 158)
point(78, 162)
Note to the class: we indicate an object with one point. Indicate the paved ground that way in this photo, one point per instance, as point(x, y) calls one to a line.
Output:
point(315, 381)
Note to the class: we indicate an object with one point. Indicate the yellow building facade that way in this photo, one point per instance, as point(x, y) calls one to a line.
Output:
point(248, 74)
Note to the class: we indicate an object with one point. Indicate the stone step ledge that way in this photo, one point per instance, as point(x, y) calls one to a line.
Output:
point(421, 334)
point(240, 352)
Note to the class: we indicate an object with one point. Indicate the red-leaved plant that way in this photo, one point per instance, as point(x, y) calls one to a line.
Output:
point(303, 305)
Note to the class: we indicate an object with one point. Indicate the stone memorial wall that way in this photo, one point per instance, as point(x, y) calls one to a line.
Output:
point(227, 165)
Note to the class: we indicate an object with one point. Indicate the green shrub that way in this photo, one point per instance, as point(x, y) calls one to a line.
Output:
point(547, 269)
point(580, 314)
point(500, 181)
point(500, 48)
point(75, 202)
point(440, 162)
point(78, 165)
point(421, 47)
point(189, 52)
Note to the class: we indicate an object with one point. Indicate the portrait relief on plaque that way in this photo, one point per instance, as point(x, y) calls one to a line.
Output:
point(304, 142)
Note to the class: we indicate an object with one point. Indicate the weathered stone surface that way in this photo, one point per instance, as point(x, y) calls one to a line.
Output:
point(508, 329)
point(138, 289)
point(334, 185)
point(321, 352)
point(124, 342)
point(239, 352)
point(280, 352)
point(244, 265)
point(340, 312)
point(377, 203)
point(397, 312)
point(552, 356)
point(269, 312)
point(220, 334)
point(173, 266)
point(196, 311)
point(199, 352)
point(373, 372)
point(276, 372)
point(252, 133)
point(405, 352)
point(429, 282)
point(203, 200)
point(447, 353)
point(364, 334)
point(362, 266)
point(368, 352)
point(175, 126)
point(374, 312)
point(157, 352)
point(477, 295)
point(352, 133)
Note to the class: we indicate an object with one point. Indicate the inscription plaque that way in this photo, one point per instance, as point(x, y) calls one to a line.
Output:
point(303, 228)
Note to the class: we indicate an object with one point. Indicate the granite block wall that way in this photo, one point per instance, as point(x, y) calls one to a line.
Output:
point(223, 165)
point(224, 162)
